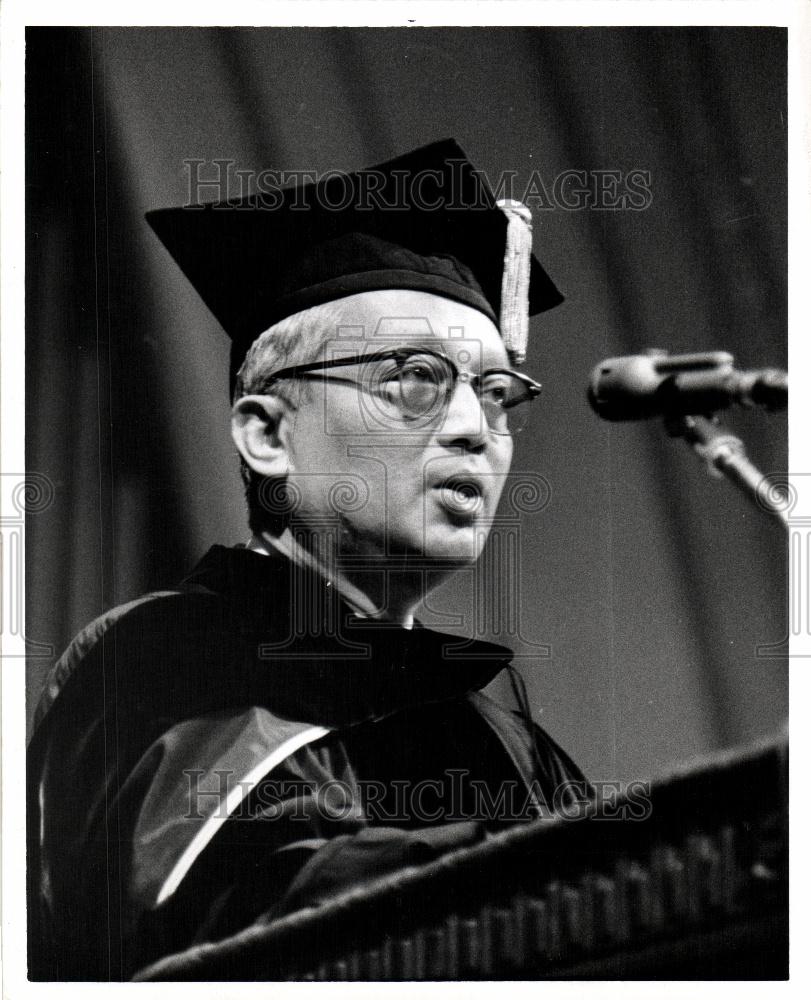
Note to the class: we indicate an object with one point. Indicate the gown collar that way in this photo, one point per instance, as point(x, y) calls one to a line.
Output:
point(326, 663)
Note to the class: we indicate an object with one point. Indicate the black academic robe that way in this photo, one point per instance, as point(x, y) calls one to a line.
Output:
point(242, 746)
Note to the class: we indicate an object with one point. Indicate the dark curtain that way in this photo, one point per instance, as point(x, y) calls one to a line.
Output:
point(647, 602)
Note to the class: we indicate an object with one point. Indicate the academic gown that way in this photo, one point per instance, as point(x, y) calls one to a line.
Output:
point(242, 746)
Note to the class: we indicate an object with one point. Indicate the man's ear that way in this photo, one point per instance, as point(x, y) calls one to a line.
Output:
point(257, 427)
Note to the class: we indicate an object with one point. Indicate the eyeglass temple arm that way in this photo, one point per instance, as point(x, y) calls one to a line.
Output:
point(316, 366)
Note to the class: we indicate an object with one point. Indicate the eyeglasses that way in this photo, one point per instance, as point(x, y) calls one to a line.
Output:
point(416, 385)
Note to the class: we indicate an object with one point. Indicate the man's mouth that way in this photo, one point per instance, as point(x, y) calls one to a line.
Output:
point(461, 495)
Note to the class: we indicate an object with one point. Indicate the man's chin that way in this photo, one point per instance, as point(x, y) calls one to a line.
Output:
point(455, 547)
point(440, 546)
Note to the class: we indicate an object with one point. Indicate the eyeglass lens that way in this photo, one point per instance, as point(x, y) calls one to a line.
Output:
point(424, 384)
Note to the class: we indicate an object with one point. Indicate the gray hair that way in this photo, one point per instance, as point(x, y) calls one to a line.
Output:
point(296, 339)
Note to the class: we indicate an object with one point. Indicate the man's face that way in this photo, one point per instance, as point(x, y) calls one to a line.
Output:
point(393, 486)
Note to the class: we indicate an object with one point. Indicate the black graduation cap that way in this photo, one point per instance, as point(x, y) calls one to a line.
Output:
point(426, 221)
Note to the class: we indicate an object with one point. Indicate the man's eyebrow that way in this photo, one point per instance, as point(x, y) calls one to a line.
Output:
point(390, 345)
point(478, 359)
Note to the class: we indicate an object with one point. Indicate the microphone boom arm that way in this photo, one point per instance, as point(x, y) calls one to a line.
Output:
point(725, 455)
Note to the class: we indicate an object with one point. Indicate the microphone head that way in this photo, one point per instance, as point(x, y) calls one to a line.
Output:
point(656, 383)
point(624, 388)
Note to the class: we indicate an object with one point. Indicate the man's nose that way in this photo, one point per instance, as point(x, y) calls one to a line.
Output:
point(464, 423)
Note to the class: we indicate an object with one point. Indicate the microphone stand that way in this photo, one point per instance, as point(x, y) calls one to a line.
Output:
point(724, 454)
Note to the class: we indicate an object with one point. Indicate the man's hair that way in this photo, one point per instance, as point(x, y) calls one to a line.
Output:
point(297, 339)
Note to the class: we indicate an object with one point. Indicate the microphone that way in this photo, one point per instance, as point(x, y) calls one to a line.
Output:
point(653, 384)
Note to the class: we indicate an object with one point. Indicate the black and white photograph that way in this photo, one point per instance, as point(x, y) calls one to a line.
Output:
point(411, 565)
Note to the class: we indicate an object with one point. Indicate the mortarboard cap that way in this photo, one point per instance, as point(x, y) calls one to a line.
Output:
point(426, 221)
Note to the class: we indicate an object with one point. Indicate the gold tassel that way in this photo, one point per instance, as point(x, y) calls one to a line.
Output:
point(515, 280)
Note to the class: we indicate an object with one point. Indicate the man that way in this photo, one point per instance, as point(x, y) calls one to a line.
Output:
point(263, 736)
